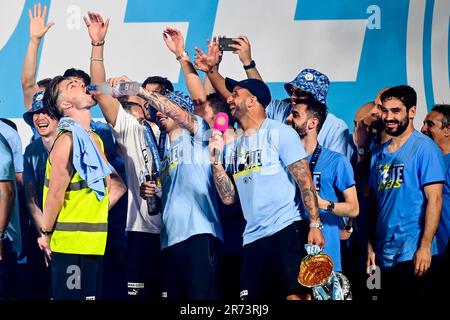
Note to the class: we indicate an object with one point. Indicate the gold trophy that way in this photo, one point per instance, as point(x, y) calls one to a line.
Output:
point(316, 272)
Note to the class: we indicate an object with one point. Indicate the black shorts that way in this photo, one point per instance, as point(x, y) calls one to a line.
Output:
point(143, 266)
point(76, 276)
point(271, 264)
point(191, 269)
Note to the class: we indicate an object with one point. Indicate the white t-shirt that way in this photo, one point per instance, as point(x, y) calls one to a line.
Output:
point(130, 137)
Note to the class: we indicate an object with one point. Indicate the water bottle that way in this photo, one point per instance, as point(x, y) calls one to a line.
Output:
point(122, 89)
point(153, 203)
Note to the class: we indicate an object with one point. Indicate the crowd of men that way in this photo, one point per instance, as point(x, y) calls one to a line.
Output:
point(157, 203)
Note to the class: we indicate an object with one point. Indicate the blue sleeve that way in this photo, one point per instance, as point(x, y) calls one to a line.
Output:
point(341, 143)
point(17, 153)
point(6, 162)
point(334, 135)
point(431, 164)
point(344, 178)
point(278, 110)
point(290, 147)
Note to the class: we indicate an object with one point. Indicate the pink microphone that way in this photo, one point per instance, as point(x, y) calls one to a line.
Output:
point(221, 124)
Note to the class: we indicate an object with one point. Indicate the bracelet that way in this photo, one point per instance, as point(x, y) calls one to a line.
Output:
point(182, 55)
point(98, 44)
point(250, 66)
point(2, 235)
point(96, 59)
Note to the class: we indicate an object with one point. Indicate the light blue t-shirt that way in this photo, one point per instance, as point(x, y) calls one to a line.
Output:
point(443, 231)
point(7, 173)
point(15, 143)
point(332, 175)
point(34, 161)
point(189, 198)
point(266, 189)
point(334, 134)
point(398, 180)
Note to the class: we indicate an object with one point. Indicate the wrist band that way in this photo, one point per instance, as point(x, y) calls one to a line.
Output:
point(250, 66)
point(98, 44)
point(46, 233)
point(182, 55)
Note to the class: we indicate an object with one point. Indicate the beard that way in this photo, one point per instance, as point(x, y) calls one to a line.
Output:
point(401, 127)
point(301, 129)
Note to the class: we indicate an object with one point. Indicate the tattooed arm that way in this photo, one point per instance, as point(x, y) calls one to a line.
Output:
point(223, 182)
point(182, 117)
point(224, 185)
point(302, 175)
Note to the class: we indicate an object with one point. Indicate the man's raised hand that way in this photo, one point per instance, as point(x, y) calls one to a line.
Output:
point(38, 28)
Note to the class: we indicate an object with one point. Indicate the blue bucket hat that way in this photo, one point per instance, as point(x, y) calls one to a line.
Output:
point(311, 81)
point(36, 106)
point(181, 99)
point(256, 87)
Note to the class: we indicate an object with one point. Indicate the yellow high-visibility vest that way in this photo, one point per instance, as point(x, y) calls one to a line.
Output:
point(82, 224)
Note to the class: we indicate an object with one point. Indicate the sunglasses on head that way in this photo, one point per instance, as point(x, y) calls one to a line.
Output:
point(300, 93)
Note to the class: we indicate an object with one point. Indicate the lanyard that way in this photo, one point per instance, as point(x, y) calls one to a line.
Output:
point(314, 158)
point(151, 144)
point(162, 144)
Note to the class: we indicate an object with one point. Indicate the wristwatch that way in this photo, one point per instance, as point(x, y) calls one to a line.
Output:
point(2, 235)
point(183, 54)
point(250, 66)
point(316, 225)
point(330, 207)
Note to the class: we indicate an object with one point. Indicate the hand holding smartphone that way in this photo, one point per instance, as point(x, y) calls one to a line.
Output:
point(224, 44)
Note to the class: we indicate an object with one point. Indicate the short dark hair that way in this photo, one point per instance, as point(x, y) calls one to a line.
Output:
point(44, 82)
point(72, 72)
point(406, 94)
point(218, 105)
point(444, 110)
point(315, 109)
point(51, 97)
point(164, 82)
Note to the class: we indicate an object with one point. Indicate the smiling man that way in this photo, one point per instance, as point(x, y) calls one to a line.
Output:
point(407, 173)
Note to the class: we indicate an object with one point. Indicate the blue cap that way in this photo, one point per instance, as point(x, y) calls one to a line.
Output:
point(181, 99)
point(36, 106)
point(311, 81)
point(256, 87)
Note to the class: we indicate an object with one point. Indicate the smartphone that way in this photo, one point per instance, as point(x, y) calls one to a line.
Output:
point(224, 44)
